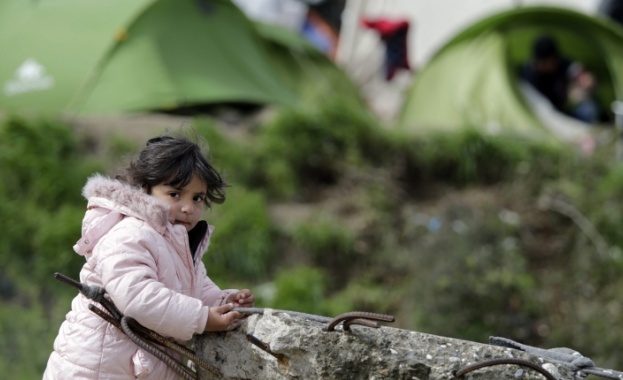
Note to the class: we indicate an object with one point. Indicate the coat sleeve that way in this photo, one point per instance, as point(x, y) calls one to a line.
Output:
point(211, 294)
point(129, 274)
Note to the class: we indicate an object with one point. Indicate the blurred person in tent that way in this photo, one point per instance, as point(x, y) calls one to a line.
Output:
point(568, 85)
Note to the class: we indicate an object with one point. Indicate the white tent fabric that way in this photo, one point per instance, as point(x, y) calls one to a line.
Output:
point(565, 127)
point(287, 13)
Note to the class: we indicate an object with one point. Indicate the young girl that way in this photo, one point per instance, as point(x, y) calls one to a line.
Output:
point(143, 240)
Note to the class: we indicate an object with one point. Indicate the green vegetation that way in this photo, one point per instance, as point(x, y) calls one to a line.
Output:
point(328, 211)
point(41, 209)
point(243, 240)
point(300, 288)
point(312, 145)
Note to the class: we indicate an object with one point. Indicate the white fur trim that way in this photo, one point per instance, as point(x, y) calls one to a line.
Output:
point(128, 196)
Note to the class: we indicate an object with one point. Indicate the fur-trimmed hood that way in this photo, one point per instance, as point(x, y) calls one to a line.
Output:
point(110, 201)
point(131, 200)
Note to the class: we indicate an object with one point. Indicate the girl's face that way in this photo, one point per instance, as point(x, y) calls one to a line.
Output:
point(187, 203)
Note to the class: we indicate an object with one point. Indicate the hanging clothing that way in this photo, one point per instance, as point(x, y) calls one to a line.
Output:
point(394, 34)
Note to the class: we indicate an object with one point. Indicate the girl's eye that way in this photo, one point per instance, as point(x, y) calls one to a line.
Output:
point(199, 198)
point(174, 194)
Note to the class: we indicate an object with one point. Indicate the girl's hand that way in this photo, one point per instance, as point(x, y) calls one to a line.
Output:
point(221, 318)
point(243, 298)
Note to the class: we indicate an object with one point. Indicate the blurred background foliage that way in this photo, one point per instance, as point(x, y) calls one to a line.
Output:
point(329, 211)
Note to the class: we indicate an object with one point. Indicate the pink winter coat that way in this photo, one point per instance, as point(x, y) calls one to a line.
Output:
point(145, 264)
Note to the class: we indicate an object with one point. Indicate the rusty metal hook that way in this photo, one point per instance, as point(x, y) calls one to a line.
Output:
point(359, 318)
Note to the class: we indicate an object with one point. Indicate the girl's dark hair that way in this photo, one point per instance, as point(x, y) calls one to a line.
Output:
point(173, 161)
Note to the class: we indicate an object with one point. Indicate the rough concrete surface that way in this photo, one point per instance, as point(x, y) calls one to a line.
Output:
point(303, 349)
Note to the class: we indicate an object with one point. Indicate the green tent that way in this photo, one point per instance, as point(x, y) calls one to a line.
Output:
point(472, 81)
point(118, 56)
point(309, 71)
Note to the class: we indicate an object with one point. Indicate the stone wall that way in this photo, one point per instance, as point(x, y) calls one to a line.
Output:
point(278, 346)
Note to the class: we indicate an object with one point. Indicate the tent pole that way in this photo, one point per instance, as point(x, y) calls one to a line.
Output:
point(348, 33)
point(617, 108)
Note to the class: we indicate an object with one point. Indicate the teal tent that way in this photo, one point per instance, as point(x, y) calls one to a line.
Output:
point(119, 56)
point(472, 81)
